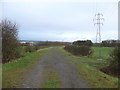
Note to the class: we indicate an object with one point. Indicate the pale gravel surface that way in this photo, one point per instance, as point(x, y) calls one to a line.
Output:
point(58, 62)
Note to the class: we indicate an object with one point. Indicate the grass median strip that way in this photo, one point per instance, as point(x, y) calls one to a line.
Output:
point(94, 77)
point(52, 79)
point(13, 72)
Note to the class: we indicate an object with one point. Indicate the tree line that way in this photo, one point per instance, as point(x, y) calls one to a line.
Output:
point(105, 43)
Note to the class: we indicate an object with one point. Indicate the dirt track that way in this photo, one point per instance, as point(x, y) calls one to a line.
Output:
point(58, 62)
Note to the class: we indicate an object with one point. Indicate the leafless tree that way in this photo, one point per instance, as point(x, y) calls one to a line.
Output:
point(10, 43)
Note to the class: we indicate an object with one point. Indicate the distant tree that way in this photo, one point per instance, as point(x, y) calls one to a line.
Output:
point(10, 43)
point(89, 43)
point(96, 44)
point(104, 43)
point(109, 43)
point(83, 43)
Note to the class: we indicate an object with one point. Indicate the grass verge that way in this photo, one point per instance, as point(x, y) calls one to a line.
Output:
point(52, 79)
point(94, 77)
point(14, 71)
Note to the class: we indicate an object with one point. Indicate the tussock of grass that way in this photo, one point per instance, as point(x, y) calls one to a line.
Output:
point(52, 79)
point(87, 69)
point(13, 72)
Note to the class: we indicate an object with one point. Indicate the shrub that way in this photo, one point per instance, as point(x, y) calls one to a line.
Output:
point(10, 43)
point(113, 66)
point(79, 50)
point(30, 49)
point(36, 47)
point(115, 61)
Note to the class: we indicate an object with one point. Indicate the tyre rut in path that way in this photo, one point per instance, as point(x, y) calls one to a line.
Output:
point(58, 62)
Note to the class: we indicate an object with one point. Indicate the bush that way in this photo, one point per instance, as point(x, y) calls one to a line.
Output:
point(115, 61)
point(10, 43)
point(79, 50)
point(113, 66)
point(36, 47)
point(30, 49)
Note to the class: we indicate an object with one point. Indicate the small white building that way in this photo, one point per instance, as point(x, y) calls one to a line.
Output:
point(31, 43)
point(22, 42)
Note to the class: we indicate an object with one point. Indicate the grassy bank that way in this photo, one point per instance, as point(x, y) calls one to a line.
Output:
point(87, 67)
point(52, 79)
point(13, 72)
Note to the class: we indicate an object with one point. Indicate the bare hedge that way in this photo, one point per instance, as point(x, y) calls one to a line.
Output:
point(79, 50)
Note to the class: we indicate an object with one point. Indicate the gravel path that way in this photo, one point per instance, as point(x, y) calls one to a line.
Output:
point(58, 62)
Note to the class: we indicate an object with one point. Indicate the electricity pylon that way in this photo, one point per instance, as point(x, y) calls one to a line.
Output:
point(98, 19)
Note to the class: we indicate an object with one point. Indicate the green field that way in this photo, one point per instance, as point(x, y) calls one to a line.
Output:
point(105, 52)
point(88, 68)
point(13, 72)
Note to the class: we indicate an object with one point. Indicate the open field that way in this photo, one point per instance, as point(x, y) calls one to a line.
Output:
point(105, 52)
point(87, 67)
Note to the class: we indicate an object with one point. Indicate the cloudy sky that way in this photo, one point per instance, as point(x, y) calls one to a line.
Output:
point(61, 20)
